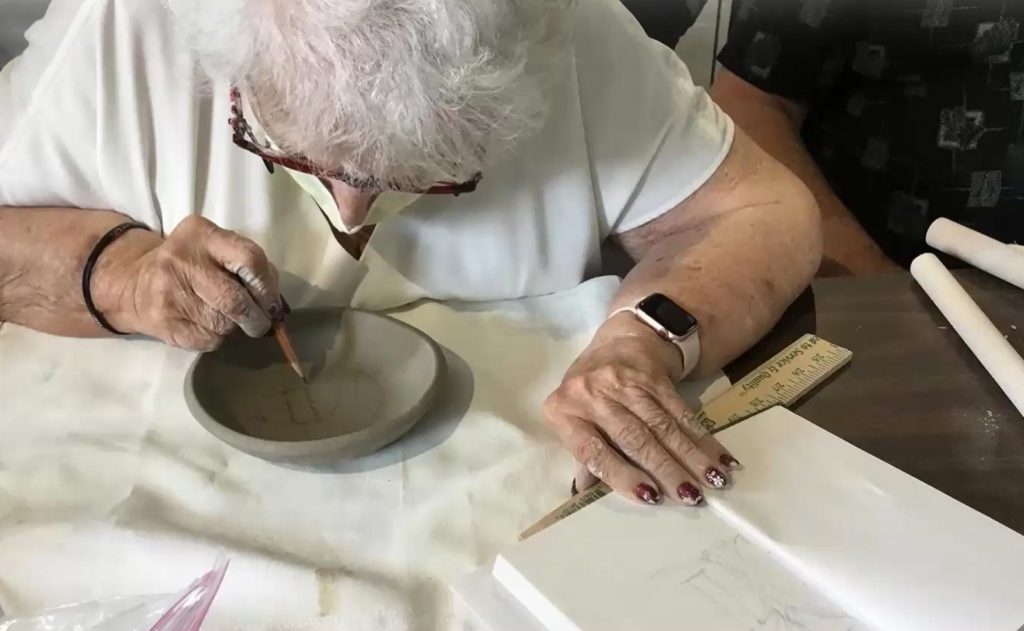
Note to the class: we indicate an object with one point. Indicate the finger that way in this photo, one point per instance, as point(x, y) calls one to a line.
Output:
point(246, 260)
point(667, 430)
point(224, 295)
point(215, 322)
point(590, 449)
point(633, 438)
point(687, 420)
point(584, 480)
point(196, 313)
point(193, 337)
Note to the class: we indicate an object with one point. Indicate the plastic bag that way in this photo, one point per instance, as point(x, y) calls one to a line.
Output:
point(166, 612)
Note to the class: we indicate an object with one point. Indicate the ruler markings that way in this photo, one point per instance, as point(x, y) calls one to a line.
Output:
point(781, 380)
point(802, 365)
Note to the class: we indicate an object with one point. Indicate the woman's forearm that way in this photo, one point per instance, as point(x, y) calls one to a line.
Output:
point(735, 254)
point(774, 124)
point(42, 254)
point(191, 289)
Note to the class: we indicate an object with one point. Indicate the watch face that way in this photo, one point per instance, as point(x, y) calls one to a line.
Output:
point(676, 320)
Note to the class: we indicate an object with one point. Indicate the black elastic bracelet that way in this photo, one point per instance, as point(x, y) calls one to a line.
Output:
point(90, 263)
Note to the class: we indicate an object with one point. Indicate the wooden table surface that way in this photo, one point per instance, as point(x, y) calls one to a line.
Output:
point(914, 395)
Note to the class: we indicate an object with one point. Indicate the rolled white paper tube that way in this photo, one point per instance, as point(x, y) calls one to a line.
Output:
point(981, 336)
point(995, 257)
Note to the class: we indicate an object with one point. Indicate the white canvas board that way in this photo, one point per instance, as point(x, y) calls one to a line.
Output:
point(815, 532)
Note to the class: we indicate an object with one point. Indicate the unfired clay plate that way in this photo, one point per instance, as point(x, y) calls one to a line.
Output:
point(371, 379)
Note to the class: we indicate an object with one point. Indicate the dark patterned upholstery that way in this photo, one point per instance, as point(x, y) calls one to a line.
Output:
point(916, 107)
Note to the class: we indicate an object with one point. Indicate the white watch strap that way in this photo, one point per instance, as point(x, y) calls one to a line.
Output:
point(691, 352)
point(689, 347)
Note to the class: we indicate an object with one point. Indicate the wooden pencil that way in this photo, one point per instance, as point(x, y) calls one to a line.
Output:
point(289, 351)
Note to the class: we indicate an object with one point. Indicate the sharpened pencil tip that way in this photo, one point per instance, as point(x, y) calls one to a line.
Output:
point(301, 373)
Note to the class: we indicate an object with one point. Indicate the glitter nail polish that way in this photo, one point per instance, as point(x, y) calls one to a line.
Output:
point(689, 494)
point(647, 493)
point(728, 460)
point(716, 478)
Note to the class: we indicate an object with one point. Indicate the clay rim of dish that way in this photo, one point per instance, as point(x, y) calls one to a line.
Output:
point(320, 446)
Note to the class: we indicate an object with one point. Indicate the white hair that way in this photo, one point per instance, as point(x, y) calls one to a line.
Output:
point(409, 92)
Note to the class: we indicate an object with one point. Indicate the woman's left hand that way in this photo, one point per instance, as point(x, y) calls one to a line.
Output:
point(618, 413)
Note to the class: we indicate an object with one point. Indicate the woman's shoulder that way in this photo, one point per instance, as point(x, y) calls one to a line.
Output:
point(93, 71)
point(66, 48)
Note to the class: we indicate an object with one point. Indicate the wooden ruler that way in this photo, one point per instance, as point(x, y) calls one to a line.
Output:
point(782, 380)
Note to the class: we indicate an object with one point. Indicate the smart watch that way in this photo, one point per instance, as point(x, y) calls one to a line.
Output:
point(672, 323)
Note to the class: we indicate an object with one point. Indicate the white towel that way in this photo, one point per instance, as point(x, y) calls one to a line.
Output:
point(108, 487)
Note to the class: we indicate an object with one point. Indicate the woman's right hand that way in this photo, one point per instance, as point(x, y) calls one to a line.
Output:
point(192, 289)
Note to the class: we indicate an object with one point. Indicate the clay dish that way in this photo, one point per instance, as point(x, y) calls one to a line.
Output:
point(371, 379)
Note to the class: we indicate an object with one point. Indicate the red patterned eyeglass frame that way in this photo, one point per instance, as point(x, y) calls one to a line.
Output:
point(244, 137)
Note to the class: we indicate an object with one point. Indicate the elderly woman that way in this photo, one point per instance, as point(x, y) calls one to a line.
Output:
point(503, 141)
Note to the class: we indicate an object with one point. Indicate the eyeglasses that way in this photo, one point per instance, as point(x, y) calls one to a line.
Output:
point(245, 138)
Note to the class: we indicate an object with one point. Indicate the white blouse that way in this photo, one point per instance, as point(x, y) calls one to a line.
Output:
point(104, 110)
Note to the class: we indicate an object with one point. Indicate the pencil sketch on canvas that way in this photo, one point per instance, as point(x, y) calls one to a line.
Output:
point(736, 586)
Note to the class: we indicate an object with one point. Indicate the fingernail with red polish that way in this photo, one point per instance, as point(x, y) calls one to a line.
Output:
point(689, 494)
point(728, 460)
point(715, 477)
point(647, 493)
